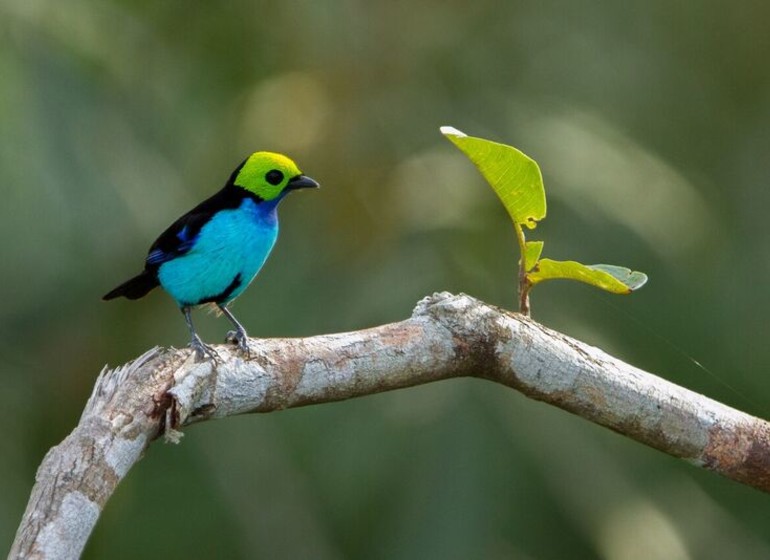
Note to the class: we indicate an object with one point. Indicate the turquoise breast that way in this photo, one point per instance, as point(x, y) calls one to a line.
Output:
point(227, 254)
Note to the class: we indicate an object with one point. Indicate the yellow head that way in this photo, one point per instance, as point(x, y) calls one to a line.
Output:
point(268, 175)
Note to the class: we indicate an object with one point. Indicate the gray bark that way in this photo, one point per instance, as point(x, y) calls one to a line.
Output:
point(448, 336)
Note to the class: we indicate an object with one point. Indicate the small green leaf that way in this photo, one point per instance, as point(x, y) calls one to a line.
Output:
point(514, 176)
point(615, 279)
point(631, 278)
point(532, 253)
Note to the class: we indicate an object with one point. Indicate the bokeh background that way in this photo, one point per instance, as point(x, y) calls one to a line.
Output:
point(651, 123)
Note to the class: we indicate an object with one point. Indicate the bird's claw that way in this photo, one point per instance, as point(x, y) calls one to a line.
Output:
point(240, 338)
point(203, 350)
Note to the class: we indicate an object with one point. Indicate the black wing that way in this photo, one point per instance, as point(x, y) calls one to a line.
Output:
point(180, 236)
point(177, 239)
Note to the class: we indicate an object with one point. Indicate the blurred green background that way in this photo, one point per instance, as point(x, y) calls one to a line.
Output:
point(651, 123)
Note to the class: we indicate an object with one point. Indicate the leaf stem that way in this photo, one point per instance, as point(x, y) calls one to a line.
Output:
point(524, 285)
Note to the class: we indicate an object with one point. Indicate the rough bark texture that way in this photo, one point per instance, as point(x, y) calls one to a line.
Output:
point(447, 336)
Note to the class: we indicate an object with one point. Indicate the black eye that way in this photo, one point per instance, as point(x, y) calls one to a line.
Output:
point(274, 177)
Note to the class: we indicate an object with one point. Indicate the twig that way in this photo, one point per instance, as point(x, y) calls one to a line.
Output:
point(447, 336)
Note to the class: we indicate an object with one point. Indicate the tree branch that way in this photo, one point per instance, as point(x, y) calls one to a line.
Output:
point(447, 336)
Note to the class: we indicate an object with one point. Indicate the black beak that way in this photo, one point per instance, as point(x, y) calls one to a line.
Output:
point(302, 182)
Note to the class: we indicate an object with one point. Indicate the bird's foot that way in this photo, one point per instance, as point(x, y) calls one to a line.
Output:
point(240, 338)
point(203, 350)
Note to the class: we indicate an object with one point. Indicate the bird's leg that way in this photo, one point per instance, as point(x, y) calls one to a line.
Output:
point(201, 350)
point(238, 336)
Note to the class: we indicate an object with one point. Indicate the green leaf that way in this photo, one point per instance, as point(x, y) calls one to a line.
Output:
point(631, 278)
point(532, 253)
point(514, 176)
point(615, 279)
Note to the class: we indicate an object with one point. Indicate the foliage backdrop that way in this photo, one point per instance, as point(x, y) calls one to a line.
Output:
point(651, 123)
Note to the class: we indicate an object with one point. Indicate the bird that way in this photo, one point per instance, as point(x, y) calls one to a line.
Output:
point(212, 253)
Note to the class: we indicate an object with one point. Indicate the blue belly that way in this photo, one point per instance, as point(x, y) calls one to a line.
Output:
point(226, 256)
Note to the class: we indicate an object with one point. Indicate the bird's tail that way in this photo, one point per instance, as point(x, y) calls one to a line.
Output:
point(135, 288)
